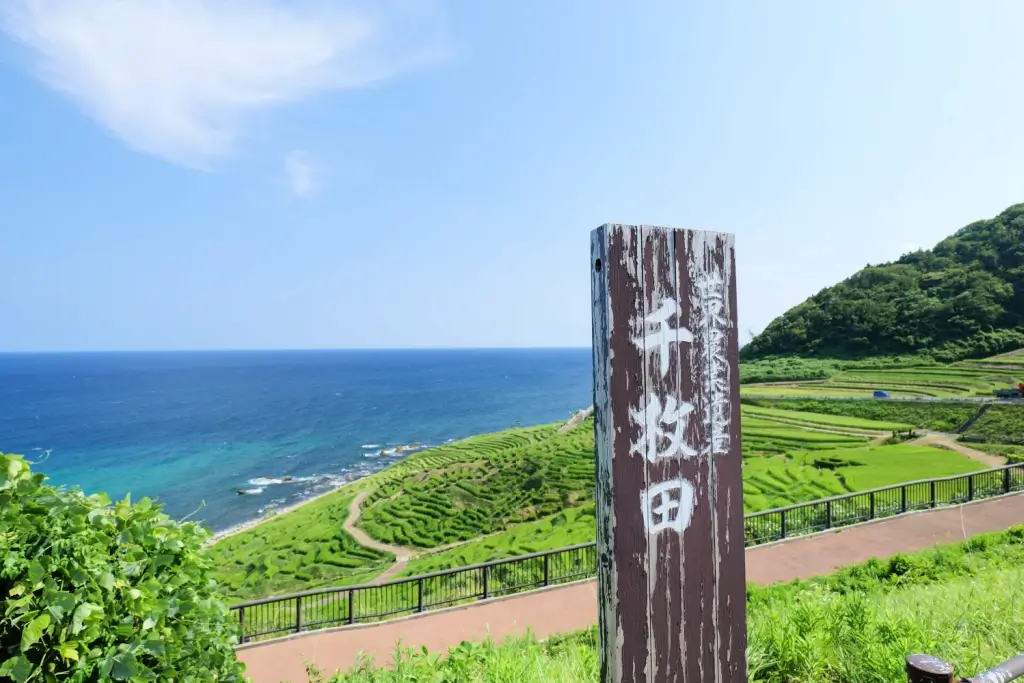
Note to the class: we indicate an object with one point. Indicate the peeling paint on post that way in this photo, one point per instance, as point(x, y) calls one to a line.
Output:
point(671, 574)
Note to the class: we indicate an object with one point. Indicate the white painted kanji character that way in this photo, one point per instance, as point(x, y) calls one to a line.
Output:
point(663, 511)
point(662, 335)
point(659, 423)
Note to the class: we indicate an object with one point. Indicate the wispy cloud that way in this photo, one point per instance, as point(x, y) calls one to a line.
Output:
point(178, 78)
point(303, 174)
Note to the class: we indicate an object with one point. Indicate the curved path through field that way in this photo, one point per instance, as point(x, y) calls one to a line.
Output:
point(949, 441)
point(574, 606)
point(402, 555)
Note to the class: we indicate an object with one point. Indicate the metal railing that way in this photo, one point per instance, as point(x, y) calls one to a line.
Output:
point(345, 605)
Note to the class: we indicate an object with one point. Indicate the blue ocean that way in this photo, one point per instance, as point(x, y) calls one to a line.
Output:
point(193, 429)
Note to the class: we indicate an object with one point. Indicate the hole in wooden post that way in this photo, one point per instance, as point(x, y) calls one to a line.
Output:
point(597, 265)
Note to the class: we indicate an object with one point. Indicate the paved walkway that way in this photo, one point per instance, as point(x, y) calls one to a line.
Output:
point(572, 607)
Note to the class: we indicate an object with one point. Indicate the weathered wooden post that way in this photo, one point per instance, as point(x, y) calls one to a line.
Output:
point(671, 575)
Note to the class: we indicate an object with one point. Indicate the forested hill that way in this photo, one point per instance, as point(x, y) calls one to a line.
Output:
point(963, 298)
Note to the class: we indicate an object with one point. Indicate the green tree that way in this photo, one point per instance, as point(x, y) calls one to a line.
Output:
point(964, 298)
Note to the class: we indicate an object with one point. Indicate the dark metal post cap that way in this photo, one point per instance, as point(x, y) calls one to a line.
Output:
point(928, 669)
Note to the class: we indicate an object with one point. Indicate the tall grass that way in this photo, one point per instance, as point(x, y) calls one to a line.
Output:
point(814, 636)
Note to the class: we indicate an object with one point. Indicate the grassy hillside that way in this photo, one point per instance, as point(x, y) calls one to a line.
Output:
point(962, 299)
point(963, 602)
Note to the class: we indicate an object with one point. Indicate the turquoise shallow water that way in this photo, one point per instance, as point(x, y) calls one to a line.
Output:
point(192, 429)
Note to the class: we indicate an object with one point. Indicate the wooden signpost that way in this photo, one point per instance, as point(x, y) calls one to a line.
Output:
point(671, 575)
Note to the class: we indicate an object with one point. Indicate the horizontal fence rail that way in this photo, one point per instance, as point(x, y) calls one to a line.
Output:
point(345, 605)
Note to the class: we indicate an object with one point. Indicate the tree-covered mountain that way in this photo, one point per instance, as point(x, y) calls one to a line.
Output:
point(963, 298)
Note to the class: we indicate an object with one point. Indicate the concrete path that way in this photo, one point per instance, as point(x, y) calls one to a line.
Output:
point(572, 607)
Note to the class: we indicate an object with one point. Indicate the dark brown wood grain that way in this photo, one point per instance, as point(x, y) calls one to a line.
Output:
point(671, 579)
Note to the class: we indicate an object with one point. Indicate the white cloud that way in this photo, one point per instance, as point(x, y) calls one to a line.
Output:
point(302, 173)
point(178, 78)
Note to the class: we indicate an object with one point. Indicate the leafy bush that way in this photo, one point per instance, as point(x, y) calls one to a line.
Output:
point(97, 592)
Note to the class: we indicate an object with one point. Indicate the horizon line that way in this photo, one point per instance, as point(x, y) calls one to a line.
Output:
point(4, 352)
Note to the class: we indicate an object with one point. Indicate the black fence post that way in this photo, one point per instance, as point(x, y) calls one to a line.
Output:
point(903, 499)
point(547, 570)
point(1006, 480)
point(298, 614)
point(241, 624)
point(485, 573)
point(351, 607)
point(933, 491)
point(970, 487)
point(871, 506)
point(419, 595)
point(782, 524)
point(828, 514)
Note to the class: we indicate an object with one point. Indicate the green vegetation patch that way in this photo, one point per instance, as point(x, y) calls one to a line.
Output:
point(877, 466)
point(295, 551)
point(1000, 424)
point(940, 417)
point(787, 370)
point(815, 419)
point(1012, 452)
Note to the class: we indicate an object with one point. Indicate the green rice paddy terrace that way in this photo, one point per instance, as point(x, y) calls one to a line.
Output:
point(531, 489)
point(967, 379)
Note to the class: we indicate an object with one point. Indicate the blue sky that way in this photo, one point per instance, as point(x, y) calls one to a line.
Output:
point(396, 173)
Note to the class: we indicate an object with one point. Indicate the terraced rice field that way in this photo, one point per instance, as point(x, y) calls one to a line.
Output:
point(768, 482)
point(940, 417)
point(966, 379)
point(838, 422)
point(767, 436)
point(1013, 361)
point(296, 551)
point(482, 485)
point(524, 490)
